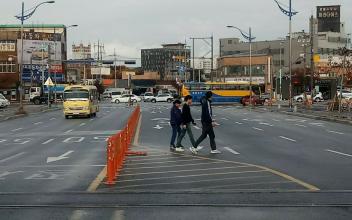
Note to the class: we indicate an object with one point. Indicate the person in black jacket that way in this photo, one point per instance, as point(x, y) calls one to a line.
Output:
point(186, 126)
point(207, 124)
point(175, 122)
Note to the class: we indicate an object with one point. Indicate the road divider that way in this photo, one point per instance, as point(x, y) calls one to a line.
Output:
point(118, 147)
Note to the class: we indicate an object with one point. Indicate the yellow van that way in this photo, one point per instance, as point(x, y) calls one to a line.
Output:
point(80, 100)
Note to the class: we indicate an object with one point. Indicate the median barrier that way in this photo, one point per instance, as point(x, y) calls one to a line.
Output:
point(118, 147)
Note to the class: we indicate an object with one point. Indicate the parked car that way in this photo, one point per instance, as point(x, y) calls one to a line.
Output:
point(317, 98)
point(125, 99)
point(3, 101)
point(256, 100)
point(163, 98)
point(148, 96)
point(345, 94)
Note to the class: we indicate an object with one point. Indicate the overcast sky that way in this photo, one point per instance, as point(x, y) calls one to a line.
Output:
point(130, 25)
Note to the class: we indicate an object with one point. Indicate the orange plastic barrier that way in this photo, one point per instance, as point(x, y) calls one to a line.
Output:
point(118, 148)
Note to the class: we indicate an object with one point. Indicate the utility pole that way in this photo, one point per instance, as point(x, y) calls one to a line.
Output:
point(312, 65)
point(212, 58)
point(193, 67)
point(115, 61)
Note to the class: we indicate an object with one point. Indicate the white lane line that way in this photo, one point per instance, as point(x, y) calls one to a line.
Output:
point(51, 119)
point(118, 215)
point(340, 153)
point(231, 150)
point(258, 129)
point(82, 124)
point(335, 132)
point(275, 120)
point(299, 125)
point(225, 119)
point(48, 141)
point(286, 138)
point(267, 124)
point(78, 215)
point(196, 127)
point(38, 123)
point(12, 157)
point(17, 129)
point(68, 131)
point(239, 123)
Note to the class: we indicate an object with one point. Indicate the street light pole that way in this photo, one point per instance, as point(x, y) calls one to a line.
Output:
point(22, 18)
point(290, 13)
point(250, 38)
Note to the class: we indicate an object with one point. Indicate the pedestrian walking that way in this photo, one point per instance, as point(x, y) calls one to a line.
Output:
point(175, 122)
point(207, 124)
point(187, 122)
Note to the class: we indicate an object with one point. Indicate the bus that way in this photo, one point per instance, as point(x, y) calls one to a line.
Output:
point(80, 100)
point(223, 92)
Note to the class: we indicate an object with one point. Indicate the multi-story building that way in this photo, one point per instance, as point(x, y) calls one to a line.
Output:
point(44, 53)
point(80, 52)
point(171, 61)
point(79, 68)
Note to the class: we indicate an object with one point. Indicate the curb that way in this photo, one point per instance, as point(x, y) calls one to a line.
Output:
point(24, 115)
point(315, 117)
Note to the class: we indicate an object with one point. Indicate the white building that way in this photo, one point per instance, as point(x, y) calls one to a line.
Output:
point(81, 52)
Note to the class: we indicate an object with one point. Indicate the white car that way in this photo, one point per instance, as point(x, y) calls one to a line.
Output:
point(163, 98)
point(126, 98)
point(3, 101)
point(148, 96)
point(345, 94)
point(317, 98)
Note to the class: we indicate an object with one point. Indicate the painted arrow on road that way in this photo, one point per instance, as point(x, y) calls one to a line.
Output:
point(61, 157)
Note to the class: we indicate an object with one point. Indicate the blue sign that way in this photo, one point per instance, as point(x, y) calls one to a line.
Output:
point(37, 74)
point(181, 69)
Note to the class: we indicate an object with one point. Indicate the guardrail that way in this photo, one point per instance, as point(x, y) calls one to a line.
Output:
point(118, 148)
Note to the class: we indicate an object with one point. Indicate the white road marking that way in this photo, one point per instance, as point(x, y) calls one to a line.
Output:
point(245, 119)
point(335, 132)
point(74, 140)
point(48, 141)
point(259, 129)
point(7, 173)
point(275, 120)
point(78, 215)
point(299, 125)
point(51, 119)
point(158, 127)
point(22, 141)
point(82, 124)
point(91, 119)
point(336, 152)
point(17, 129)
point(160, 119)
point(267, 124)
point(239, 123)
point(118, 215)
point(2, 140)
point(38, 123)
point(12, 157)
point(198, 119)
point(231, 150)
point(61, 157)
point(286, 138)
point(69, 131)
point(225, 119)
point(196, 127)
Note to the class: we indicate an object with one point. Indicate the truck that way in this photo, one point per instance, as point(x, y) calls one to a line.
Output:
point(38, 96)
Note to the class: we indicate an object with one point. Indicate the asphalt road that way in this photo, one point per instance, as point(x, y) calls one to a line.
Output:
point(273, 166)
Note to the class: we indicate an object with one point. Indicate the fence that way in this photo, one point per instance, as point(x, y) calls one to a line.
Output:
point(118, 147)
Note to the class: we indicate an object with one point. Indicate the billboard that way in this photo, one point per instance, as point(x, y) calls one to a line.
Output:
point(36, 75)
point(39, 52)
point(104, 71)
point(329, 18)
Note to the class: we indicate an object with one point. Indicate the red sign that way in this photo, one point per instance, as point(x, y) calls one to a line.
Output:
point(56, 69)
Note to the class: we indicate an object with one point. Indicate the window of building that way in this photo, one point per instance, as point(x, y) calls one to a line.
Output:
point(7, 67)
point(229, 41)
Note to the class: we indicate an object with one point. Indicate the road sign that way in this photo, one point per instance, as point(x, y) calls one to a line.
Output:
point(49, 82)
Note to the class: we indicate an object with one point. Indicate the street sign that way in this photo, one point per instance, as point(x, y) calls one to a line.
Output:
point(49, 82)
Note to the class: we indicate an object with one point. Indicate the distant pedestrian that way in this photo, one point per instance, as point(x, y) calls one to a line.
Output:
point(207, 124)
point(187, 122)
point(175, 122)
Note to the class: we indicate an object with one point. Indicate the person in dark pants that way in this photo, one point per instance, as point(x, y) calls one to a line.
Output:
point(187, 122)
point(175, 122)
point(207, 124)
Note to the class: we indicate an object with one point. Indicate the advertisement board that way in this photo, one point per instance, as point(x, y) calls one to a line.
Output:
point(104, 71)
point(37, 72)
point(39, 52)
point(7, 46)
point(329, 18)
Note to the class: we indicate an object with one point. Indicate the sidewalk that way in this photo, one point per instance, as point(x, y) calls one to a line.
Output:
point(10, 112)
point(317, 111)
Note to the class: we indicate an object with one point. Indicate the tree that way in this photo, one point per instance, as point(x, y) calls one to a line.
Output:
point(100, 86)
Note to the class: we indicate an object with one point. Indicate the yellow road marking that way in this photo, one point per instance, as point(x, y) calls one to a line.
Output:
point(97, 181)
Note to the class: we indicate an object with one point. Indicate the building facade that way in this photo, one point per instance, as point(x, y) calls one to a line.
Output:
point(80, 52)
point(171, 61)
point(44, 52)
